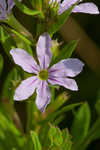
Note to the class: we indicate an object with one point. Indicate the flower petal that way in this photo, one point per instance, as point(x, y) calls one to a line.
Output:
point(66, 4)
point(44, 50)
point(50, 1)
point(26, 88)
point(67, 67)
point(2, 5)
point(43, 96)
point(11, 4)
point(65, 82)
point(23, 59)
point(89, 8)
point(3, 13)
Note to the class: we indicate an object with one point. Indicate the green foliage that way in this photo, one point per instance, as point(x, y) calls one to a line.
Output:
point(7, 41)
point(18, 29)
point(10, 84)
point(55, 136)
point(61, 19)
point(65, 52)
point(36, 142)
point(80, 125)
point(59, 139)
point(10, 137)
point(60, 111)
point(1, 64)
point(26, 10)
point(97, 105)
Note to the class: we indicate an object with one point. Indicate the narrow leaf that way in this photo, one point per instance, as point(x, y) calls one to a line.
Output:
point(1, 64)
point(36, 142)
point(26, 10)
point(80, 125)
point(60, 21)
point(53, 115)
point(65, 52)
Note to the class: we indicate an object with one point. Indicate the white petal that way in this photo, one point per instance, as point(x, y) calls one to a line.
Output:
point(3, 5)
point(43, 96)
point(50, 1)
point(11, 3)
point(89, 8)
point(44, 50)
point(65, 82)
point(26, 88)
point(67, 67)
point(66, 4)
point(3, 13)
point(23, 59)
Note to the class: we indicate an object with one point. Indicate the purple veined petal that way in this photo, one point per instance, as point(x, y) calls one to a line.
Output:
point(43, 96)
point(44, 50)
point(26, 88)
point(58, 1)
point(66, 4)
point(89, 8)
point(11, 4)
point(26, 61)
point(65, 82)
point(3, 5)
point(66, 68)
point(3, 15)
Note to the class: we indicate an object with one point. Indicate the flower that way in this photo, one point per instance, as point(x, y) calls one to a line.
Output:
point(56, 75)
point(87, 7)
point(5, 8)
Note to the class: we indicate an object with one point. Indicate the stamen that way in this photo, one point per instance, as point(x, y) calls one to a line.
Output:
point(43, 74)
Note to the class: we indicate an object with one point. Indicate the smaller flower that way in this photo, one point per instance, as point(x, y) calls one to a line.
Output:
point(58, 74)
point(5, 8)
point(87, 7)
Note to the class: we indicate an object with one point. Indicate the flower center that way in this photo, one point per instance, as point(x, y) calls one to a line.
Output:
point(43, 74)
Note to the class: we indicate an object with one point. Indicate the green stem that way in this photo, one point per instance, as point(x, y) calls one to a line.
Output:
point(30, 115)
point(15, 24)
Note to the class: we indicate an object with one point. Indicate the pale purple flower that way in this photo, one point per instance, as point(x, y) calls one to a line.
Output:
point(87, 7)
point(5, 8)
point(56, 75)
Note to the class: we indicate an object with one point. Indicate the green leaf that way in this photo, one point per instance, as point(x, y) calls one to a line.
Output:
point(55, 136)
point(38, 4)
point(97, 105)
point(1, 63)
point(53, 115)
point(60, 21)
point(65, 52)
point(94, 132)
point(21, 36)
point(58, 101)
point(36, 142)
point(18, 27)
point(67, 144)
point(10, 137)
point(80, 125)
point(10, 84)
point(25, 9)
point(59, 139)
point(7, 42)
